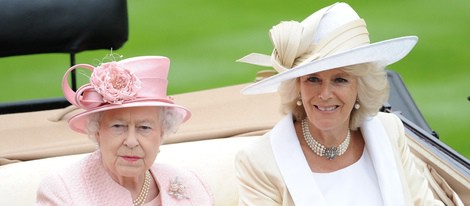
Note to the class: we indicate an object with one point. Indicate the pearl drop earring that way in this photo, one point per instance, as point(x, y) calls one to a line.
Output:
point(299, 101)
point(357, 105)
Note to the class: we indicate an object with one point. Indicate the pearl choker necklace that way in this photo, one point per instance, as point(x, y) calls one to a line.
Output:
point(140, 200)
point(319, 149)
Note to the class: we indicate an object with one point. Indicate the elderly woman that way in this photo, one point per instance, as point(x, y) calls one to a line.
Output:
point(333, 147)
point(127, 113)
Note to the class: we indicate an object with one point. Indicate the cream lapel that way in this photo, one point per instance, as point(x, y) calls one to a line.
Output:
point(382, 156)
point(293, 165)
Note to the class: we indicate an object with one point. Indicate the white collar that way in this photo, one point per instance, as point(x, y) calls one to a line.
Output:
point(298, 176)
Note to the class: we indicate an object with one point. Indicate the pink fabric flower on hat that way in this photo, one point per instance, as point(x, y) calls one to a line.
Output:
point(115, 83)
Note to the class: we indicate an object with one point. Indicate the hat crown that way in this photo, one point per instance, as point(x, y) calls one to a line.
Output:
point(333, 29)
point(333, 18)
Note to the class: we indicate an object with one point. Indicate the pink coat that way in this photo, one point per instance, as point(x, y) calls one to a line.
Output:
point(87, 183)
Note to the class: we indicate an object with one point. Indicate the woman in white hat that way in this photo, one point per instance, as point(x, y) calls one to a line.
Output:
point(333, 147)
point(127, 113)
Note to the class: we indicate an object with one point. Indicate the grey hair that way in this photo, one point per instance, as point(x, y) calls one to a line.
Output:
point(373, 91)
point(169, 117)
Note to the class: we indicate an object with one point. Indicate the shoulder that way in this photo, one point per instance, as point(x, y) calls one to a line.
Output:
point(256, 152)
point(392, 124)
point(59, 186)
point(77, 175)
point(260, 153)
point(394, 128)
point(388, 118)
point(262, 147)
point(257, 164)
point(76, 169)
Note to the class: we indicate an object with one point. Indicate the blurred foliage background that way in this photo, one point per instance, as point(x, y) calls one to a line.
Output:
point(204, 38)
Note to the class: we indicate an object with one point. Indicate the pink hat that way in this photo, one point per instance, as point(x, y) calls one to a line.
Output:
point(133, 82)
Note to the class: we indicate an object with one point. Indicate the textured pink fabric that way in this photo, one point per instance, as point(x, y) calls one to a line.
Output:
point(87, 183)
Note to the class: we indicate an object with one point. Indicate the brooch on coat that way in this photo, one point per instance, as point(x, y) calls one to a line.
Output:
point(177, 190)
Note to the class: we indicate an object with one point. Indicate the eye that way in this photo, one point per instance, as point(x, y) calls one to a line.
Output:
point(145, 127)
point(341, 80)
point(313, 79)
point(118, 128)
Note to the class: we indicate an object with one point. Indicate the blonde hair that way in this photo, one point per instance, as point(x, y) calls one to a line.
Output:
point(373, 91)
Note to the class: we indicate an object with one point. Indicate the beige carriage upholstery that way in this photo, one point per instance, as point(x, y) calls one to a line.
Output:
point(223, 121)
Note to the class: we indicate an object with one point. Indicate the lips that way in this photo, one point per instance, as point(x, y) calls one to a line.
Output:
point(326, 109)
point(131, 158)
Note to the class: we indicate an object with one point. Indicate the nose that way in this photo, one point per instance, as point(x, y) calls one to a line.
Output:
point(325, 91)
point(131, 139)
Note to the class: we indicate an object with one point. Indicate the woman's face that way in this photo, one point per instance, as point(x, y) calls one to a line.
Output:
point(129, 140)
point(328, 98)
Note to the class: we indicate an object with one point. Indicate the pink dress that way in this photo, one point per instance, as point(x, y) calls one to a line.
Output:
point(87, 183)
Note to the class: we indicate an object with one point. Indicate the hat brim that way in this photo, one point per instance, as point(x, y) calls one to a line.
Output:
point(384, 52)
point(79, 122)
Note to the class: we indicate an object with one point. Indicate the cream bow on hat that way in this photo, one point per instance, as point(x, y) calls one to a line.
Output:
point(332, 37)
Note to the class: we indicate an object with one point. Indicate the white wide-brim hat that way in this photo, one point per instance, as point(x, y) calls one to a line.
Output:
point(330, 38)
